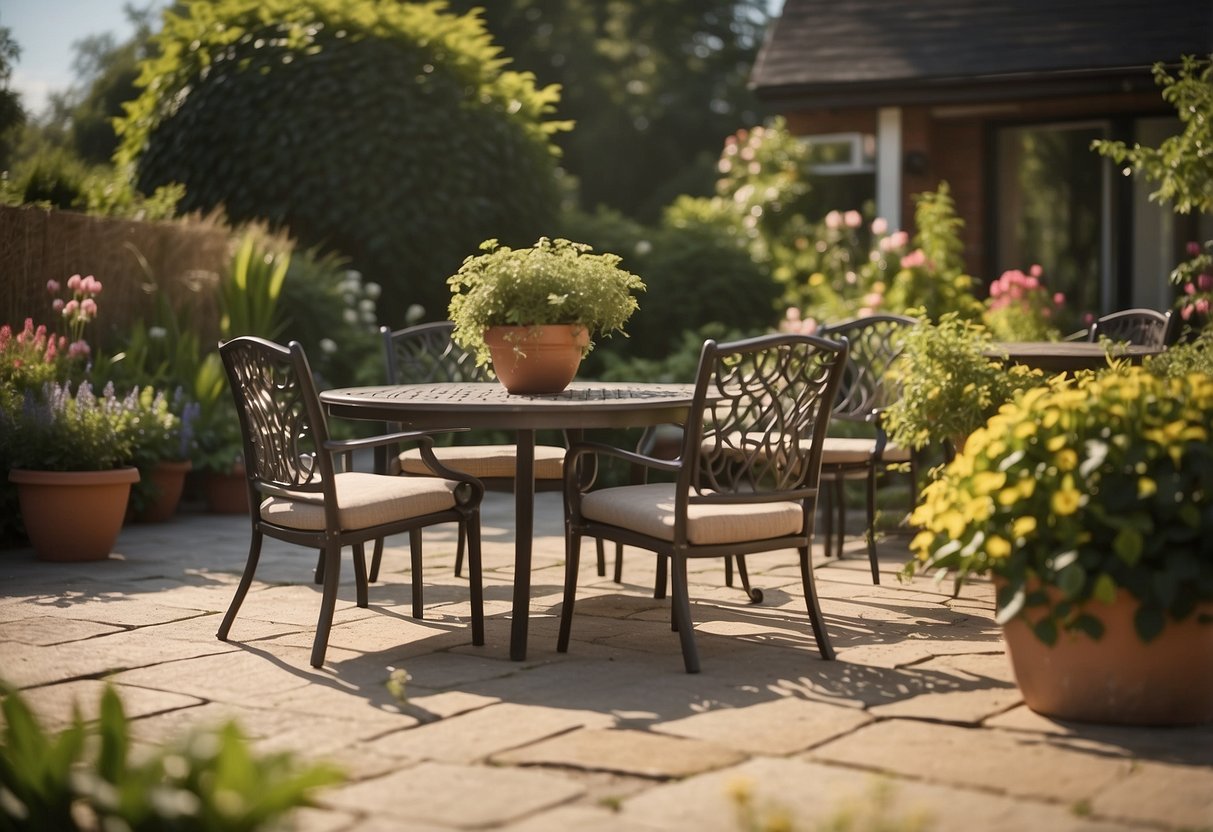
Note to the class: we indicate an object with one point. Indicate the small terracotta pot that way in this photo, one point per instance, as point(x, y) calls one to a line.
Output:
point(1118, 679)
point(169, 479)
point(536, 359)
point(73, 515)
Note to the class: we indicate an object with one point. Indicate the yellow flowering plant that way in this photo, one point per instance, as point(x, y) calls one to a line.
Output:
point(1085, 486)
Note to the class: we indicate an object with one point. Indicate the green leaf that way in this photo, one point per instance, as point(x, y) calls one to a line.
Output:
point(1149, 621)
point(1128, 545)
point(1072, 579)
point(1046, 631)
point(1012, 606)
point(1088, 624)
point(1105, 588)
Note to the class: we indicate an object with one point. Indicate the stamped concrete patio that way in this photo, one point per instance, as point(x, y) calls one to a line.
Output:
point(917, 722)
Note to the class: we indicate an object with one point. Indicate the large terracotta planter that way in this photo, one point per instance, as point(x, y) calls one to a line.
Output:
point(536, 359)
point(1118, 679)
point(73, 515)
point(169, 479)
point(227, 492)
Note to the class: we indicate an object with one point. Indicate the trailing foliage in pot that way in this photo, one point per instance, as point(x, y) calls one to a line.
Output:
point(1088, 487)
point(552, 282)
point(89, 777)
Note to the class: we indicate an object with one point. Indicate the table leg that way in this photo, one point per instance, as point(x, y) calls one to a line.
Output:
point(524, 524)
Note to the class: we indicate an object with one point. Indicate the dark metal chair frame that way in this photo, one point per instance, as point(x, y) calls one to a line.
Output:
point(1139, 327)
point(754, 435)
point(867, 390)
point(288, 453)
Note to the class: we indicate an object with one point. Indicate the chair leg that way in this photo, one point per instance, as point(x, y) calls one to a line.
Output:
point(572, 558)
point(415, 558)
point(827, 516)
point(660, 582)
point(319, 576)
point(459, 551)
point(840, 496)
point(872, 525)
point(618, 563)
point(755, 595)
point(682, 614)
point(328, 601)
point(360, 575)
point(475, 575)
point(728, 570)
point(810, 599)
point(246, 580)
point(376, 560)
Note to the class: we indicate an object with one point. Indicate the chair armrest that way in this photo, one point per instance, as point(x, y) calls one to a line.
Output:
point(339, 446)
point(599, 449)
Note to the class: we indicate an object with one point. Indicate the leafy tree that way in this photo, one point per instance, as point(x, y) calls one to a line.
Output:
point(1182, 165)
point(12, 116)
point(652, 85)
point(390, 132)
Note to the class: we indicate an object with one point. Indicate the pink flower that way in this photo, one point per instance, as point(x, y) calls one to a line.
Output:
point(833, 219)
point(873, 299)
point(793, 314)
point(70, 308)
point(1059, 298)
point(995, 289)
point(73, 283)
point(853, 219)
point(90, 285)
point(1036, 270)
point(57, 305)
point(863, 312)
point(78, 349)
point(1204, 282)
point(52, 286)
point(880, 225)
point(1193, 248)
point(1202, 306)
point(914, 259)
point(1189, 289)
point(88, 307)
point(1031, 283)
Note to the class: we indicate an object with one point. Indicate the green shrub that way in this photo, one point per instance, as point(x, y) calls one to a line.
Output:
point(86, 777)
point(389, 132)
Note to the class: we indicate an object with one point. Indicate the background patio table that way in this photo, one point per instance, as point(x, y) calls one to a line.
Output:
point(583, 405)
point(1066, 356)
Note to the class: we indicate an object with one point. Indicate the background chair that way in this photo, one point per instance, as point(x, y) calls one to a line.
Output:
point(1138, 327)
point(746, 480)
point(425, 353)
point(867, 390)
point(298, 496)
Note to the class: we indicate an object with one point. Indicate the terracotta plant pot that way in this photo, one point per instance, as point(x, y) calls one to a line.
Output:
point(226, 493)
point(536, 359)
point(73, 515)
point(1118, 679)
point(169, 479)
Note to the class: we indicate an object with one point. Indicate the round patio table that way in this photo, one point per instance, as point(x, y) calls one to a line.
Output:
point(583, 405)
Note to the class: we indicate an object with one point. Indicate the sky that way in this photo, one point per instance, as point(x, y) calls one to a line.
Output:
point(46, 29)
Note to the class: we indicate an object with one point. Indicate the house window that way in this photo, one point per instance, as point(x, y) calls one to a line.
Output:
point(842, 172)
point(1053, 208)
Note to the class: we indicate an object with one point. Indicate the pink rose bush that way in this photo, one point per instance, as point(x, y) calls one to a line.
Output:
point(1021, 308)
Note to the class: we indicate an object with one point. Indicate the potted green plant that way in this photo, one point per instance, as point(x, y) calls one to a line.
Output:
point(1090, 503)
point(162, 435)
point(70, 458)
point(514, 307)
point(949, 385)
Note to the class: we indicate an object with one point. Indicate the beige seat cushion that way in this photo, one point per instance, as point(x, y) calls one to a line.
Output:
point(486, 461)
point(363, 500)
point(838, 450)
point(649, 509)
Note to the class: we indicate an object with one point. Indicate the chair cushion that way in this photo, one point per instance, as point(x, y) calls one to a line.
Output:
point(486, 461)
point(839, 450)
point(649, 509)
point(363, 500)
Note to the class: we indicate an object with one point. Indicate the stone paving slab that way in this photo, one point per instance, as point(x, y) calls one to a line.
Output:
point(612, 735)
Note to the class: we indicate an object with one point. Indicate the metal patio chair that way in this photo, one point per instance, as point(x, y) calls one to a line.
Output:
point(1138, 327)
point(298, 495)
point(746, 481)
